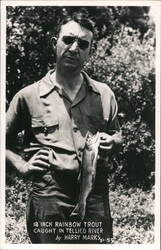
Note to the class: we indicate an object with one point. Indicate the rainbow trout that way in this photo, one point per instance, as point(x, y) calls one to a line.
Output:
point(88, 173)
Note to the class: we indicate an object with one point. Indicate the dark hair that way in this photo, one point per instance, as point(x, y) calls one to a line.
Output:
point(81, 18)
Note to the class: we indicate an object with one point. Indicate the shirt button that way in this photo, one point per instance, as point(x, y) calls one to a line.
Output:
point(79, 154)
point(75, 129)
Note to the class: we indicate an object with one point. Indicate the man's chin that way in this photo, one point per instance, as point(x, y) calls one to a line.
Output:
point(70, 66)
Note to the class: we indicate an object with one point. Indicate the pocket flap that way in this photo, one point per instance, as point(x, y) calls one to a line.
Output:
point(44, 122)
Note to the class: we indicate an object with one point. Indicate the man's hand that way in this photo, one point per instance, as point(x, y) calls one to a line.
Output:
point(39, 162)
point(106, 142)
point(110, 143)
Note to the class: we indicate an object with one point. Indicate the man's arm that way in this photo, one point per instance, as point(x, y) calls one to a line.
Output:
point(16, 161)
point(111, 140)
point(15, 122)
point(39, 162)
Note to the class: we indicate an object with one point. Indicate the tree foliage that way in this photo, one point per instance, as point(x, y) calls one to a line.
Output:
point(123, 57)
point(130, 71)
point(29, 32)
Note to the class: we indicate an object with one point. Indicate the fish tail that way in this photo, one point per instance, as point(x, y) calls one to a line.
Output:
point(78, 212)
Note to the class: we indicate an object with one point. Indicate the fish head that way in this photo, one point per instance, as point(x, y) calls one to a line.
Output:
point(92, 141)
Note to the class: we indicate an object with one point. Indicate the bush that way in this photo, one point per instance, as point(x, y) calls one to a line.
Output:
point(133, 215)
point(16, 197)
point(128, 68)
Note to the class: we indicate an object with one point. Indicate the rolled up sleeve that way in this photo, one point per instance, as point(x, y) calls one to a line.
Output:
point(15, 120)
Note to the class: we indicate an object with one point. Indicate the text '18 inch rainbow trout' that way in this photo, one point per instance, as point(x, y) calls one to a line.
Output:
point(88, 173)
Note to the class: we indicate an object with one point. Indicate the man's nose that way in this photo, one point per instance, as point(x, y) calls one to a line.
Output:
point(74, 46)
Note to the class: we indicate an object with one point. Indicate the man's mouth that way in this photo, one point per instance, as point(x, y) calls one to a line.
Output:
point(71, 57)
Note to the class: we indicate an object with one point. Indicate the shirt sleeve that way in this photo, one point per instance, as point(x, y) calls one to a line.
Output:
point(113, 119)
point(15, 119)
point(110, 110)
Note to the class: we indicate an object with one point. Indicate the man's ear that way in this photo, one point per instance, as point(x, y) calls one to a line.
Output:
point(92, 48)
point(54, 41)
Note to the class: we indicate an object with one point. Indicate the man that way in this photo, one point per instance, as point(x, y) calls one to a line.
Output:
point(56, 113)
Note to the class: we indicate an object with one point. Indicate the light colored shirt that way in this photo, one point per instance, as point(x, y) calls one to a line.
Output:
point(50, 119)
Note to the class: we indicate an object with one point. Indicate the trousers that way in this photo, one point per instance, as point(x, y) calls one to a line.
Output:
point(48, 220)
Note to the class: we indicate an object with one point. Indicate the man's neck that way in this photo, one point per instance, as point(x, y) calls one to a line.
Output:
point(71, 83)
point(69, 80)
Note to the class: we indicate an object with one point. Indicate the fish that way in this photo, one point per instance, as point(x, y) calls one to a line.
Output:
point(88, 173)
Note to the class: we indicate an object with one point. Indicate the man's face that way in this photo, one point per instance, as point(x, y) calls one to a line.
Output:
point(73, 46)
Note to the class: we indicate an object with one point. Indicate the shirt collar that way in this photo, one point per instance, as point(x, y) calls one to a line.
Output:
point(48, 83)
point(90, 82)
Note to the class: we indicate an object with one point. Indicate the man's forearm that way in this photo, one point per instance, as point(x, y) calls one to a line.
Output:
point(16, 161)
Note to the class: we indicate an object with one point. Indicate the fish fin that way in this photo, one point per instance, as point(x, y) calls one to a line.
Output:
point(88, 134)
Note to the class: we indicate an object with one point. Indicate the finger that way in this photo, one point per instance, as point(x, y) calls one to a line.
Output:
point(42, 157)
point(105, 136)
point(44, 151)
point(35, 168)
point(40, 163)
point(108, 143)
point(107, 148)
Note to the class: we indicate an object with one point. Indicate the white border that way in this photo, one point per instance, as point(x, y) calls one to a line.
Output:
point(3, 246)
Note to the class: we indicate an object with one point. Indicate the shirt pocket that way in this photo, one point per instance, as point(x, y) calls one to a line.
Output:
point(45, 130)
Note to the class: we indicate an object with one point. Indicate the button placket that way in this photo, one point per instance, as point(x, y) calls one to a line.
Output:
point(75, 129)
point(77, 136)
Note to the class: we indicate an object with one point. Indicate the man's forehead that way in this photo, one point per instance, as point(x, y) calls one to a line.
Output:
point(75, 29)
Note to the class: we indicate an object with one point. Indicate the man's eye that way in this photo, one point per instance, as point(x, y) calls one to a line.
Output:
point(68, 39)
point(83, 44)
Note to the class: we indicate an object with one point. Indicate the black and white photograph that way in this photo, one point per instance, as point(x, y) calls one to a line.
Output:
point(80, 124)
